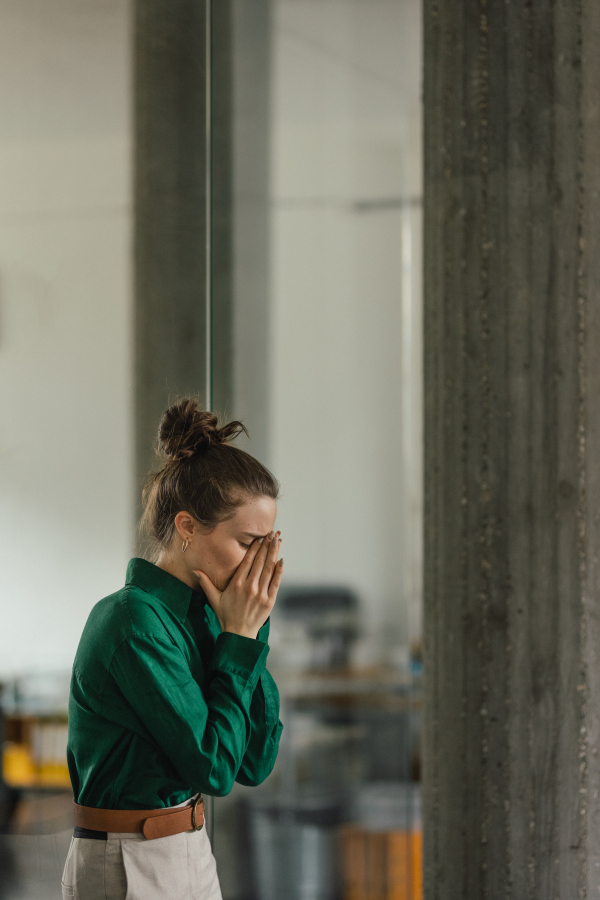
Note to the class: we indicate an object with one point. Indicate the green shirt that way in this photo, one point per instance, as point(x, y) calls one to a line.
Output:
point(163, 704)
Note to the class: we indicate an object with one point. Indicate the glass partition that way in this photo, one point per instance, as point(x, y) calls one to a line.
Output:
point(340, 426)
point(316, 303)
point(66, 515)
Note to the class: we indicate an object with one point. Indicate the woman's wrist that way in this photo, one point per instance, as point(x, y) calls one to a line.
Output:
point(242, 632)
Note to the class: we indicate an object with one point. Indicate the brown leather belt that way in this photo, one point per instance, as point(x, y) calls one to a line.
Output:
point(153, 823)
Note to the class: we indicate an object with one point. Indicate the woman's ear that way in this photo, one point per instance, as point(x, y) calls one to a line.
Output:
point(184, 523)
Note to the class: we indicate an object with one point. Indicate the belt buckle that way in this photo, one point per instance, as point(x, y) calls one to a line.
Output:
point(195, 826)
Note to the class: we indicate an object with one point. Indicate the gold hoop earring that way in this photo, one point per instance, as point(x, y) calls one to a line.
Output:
point(185, 546)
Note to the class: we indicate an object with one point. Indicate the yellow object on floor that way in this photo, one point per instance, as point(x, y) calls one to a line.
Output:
point(53, 775)
point(17, 765)
point(20, 770)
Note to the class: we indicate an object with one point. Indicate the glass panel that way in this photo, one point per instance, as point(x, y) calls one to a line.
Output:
point(325, 145)
point(65, 380)
point(339, 423)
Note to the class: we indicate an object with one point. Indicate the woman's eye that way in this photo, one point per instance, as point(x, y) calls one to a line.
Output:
point(247, 546)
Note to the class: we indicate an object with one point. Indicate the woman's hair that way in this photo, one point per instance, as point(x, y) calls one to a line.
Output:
point(202, 472)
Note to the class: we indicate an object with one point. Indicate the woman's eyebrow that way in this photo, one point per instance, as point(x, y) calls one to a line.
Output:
point(249, 534)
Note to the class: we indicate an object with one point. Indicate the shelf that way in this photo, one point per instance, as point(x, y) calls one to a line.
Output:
point(353, 687)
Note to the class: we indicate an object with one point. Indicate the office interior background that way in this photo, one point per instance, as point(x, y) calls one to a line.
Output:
point(324, 360)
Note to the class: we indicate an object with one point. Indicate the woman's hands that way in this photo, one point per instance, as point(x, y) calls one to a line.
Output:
point(246, 603)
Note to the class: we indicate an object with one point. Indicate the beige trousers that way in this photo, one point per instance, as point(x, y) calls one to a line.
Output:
point(129, 867)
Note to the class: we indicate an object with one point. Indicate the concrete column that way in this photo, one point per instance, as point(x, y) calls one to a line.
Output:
point(512, 444)
point(170, 211)
point(172, 136)
point(241, 31)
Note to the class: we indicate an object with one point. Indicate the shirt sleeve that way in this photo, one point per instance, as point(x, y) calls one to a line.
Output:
point(265, 733)
point(265, 728)
point(205, 734)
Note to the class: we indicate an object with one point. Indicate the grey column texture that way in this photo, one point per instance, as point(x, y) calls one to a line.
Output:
point(170, 211)
point(512, 449)
point(240, 215)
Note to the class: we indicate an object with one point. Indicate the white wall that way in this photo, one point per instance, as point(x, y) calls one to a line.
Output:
point(65, 332)
point(345, 153)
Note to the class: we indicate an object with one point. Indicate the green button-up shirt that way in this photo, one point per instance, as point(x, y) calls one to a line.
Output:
point(163, 704)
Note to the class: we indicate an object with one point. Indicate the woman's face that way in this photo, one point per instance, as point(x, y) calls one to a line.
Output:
point(219, 552)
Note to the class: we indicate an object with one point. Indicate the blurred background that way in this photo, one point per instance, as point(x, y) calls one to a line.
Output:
point(311, 296)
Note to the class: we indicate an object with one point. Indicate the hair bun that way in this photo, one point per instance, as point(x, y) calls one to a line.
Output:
point(186, 430)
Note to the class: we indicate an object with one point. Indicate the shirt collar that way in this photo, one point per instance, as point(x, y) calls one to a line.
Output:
point(171, 592)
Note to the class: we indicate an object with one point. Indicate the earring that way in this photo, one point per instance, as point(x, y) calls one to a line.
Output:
point(185, 546)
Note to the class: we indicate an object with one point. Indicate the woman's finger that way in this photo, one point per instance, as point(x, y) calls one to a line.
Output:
point(246, 564)
point(270, 563)
point(259, 559)
point(276, 581)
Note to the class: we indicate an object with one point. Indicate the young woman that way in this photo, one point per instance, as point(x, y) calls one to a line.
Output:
point(170, 698)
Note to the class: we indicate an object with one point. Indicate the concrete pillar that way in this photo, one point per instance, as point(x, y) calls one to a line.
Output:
point(512, 444)
point(180, 230)
point(170, 211)
point(241, 31)
point(251, 139)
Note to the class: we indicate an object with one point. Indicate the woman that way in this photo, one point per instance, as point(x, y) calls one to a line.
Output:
point(170, 697)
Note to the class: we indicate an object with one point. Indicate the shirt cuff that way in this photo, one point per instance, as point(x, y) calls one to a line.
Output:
point(241, 656)
point(263, 634)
